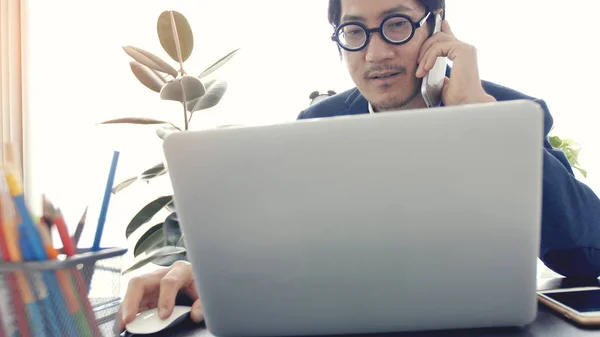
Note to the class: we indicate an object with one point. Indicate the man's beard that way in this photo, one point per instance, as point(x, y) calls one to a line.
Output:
point(391, 106)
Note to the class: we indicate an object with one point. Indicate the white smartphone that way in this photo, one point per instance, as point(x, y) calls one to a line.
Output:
point(580, 305)
point(433, 82)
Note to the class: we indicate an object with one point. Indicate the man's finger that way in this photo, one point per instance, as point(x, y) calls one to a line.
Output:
point(446, 28)
point(445, 91)
point(137, 289)
point(442, 49)
point(197, 314)
point(191, 290)
point(131, 303)
point(170, 285)
point(428, 43)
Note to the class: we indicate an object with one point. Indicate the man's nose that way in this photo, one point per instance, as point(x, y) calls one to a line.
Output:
point(378, 50)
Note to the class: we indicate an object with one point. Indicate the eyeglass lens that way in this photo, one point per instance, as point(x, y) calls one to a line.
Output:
point(395, 29)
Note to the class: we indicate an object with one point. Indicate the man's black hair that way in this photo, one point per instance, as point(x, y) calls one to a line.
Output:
point(335, 9)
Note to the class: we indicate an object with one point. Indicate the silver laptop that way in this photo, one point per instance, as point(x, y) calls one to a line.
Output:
point(404, 221)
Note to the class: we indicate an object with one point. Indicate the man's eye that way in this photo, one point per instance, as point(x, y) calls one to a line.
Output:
point(398, 24)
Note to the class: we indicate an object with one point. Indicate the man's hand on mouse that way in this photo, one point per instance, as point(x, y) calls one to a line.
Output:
point(465, 85)
point(159, 290)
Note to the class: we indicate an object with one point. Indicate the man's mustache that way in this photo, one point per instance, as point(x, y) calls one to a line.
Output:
point(387, 68)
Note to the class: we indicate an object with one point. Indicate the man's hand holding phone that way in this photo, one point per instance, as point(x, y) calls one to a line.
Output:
point(464, 86)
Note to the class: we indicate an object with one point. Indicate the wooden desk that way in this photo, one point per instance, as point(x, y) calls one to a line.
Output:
point(547, 324)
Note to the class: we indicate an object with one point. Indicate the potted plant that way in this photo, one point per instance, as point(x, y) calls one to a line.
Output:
point(162, 243)
point(571, 150)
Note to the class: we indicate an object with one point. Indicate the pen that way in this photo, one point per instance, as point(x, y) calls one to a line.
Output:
point(105, 202)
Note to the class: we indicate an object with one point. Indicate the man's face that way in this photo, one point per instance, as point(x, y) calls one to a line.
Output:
point(380, 58)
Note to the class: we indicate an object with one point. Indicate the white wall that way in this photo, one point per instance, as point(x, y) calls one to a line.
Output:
point(79, 75)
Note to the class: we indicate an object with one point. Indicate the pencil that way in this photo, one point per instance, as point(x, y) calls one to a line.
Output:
point(47, 319)
point(17, 284)
point(106, 200)
point(7, 319)
point(34, 244)
point(10, 297)
point(61, 226)
point(79, 229)
point(55, 216)
point(7, 314)
point(41, 317)
point(66, 285)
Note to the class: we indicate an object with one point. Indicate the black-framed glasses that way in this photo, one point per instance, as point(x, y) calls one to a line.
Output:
point(396, 29)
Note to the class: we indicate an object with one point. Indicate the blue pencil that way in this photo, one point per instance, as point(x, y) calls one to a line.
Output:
point(105, 202)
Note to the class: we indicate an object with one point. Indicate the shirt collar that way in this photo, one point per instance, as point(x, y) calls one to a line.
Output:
point(371, 111)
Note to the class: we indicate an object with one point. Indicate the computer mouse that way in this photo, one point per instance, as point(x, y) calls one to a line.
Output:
point(148, 322)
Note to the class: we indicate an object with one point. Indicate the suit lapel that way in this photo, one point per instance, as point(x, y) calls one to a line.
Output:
point(357, 104)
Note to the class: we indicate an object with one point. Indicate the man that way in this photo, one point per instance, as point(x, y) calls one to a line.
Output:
point(388, 73)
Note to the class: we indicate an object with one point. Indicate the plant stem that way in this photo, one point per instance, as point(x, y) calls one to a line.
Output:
point(183, 95)
point(177, 44)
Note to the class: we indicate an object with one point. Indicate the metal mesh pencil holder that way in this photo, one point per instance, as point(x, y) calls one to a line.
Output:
point(73, 297)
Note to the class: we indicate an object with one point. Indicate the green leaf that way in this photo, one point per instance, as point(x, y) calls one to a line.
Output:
point(583, 172)
point(151, 240)
point(150, 60)
point(555, 141)
point(146, 258)
point(181, 242)
point(218, 64)
point(171, 207)
point(212, 97)
point(192, 103)
point(183, 89)
point(154, 172)
point(124, 185)
point(135, 120)
point(174, 31)
point(146, 214)
point(171, 230)
point(147, 77)
point(168, 261)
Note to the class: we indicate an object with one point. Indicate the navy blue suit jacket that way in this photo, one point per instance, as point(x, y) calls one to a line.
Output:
point(570, 237)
